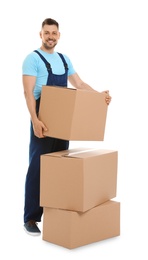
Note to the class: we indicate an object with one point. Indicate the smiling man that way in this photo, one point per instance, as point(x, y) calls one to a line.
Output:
point(41, 67)
point(49, 37)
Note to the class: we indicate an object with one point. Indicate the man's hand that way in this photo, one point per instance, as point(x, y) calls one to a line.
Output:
point(38, 128)
point(107, 97)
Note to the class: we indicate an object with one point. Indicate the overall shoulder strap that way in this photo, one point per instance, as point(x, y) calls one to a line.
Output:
point(64, 61)
point(48, 66)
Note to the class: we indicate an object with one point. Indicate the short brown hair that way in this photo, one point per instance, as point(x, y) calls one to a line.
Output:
point(50, 21)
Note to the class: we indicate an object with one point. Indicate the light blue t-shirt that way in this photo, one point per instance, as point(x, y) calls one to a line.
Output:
point(34, 66)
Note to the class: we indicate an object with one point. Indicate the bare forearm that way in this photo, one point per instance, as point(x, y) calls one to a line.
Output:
point(28, 84)
point(31, 104)
point(76, 81)
point(83, 85)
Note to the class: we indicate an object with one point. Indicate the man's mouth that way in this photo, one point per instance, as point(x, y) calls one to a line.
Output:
point(50, 41)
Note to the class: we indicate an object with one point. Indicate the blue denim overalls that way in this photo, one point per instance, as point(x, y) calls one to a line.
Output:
point(38, 146)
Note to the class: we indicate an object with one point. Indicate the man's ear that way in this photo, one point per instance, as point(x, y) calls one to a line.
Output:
point(59, 35)
point(40, 34)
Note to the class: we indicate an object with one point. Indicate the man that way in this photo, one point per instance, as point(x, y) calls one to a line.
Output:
point(44, 67)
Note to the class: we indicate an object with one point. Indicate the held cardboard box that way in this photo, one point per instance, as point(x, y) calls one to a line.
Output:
point(78, 179)
point(72, 114)
point(73, 229)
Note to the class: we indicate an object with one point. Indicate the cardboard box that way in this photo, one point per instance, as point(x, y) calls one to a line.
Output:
point(72, 114)
point(73, 229)
point(78, 179)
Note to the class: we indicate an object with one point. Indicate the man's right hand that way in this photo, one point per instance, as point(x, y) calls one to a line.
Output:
point(38, 128)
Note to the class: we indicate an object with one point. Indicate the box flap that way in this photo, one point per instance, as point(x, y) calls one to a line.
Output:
point(79, 153)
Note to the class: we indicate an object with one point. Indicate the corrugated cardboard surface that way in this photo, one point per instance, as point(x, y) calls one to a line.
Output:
point(73, 229)
point(73, 114)
point(78, 179)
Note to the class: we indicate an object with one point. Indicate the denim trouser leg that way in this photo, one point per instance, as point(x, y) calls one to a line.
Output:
point(38, 146)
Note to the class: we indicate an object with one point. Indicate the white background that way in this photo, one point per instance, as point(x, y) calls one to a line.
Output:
point(107, 42)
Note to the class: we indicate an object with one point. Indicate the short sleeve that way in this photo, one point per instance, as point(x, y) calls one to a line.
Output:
point(29, 66)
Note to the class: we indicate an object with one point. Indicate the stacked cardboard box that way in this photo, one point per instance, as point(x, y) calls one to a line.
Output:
point(77, 185)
